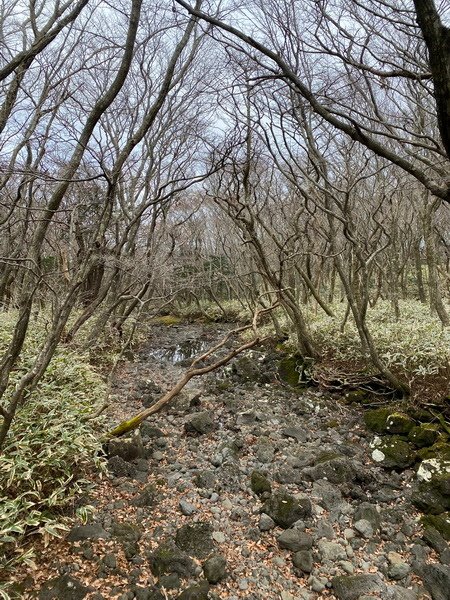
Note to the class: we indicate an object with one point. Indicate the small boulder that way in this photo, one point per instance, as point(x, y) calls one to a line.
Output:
point(376, 419)
point(196, 592)
point(127, 448)
point(195, 539)
point(352, 587)
point(121, 468)
point(266, 523)
point(424, 435)
point(169, 558)
point(436, 579)
point(295, 540)
point(399, 423)
point(303, 560)
point(393, 453)
point(259, 483)
point(285, 510)
point(200, 423)
point(215, 569)
point(331, 551)
point(368, 512)
point(92, 531)
point(66, 587)
point(147, 497)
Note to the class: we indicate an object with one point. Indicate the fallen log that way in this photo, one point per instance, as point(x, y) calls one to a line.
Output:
point(195, 371)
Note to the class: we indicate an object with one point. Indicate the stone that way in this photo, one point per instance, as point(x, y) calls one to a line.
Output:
point(432, 494)
point(126, 532)
point(121, 468)
point(170, 582)
point(439, 522)
point(219, 537)
point(63, 587)
point(352, 587)
point(150, 432)
point(376, 419)
point(147, 497)
point(200, 423)
point(368, 512)
point(436, 579)
point(398, 569)
point(331, 551)
point(129, 448)
point(264, 451)
point(205, 479)
point(292, 370)
point(92, 531)
point(215, 569)
point(399, 423)
point(186, 508)
point(297, 433)
point(364, 527)
point(266, 523)
point(196, 592)
point(168, 558)
point(303, 560)
point(295, 540)
point(246, 368)
point(392, 452)
point(424, 435)
point(195, 539)
point(259, 483)
point(285, 510)
point(335, 470)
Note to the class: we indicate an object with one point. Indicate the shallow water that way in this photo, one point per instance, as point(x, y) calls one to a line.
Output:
point(186, 350)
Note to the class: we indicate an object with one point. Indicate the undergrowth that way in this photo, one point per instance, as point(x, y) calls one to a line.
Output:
point(50, 448)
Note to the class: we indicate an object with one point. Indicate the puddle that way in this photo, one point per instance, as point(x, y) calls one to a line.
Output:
point(184, 351)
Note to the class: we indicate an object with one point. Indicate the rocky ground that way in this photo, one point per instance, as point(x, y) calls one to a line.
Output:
point(246, 488)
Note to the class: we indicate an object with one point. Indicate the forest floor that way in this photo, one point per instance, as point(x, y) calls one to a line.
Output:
point(188, 500)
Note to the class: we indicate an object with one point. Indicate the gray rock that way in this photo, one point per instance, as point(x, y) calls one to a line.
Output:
point(200, 423)
point(303, 560)
point(63, 587)
point(297, 433)
point(295, 540)
point(368, 512)
point(205, 479)
point(215, 569)
point(93, 531)
point(335, 470)
point(196, 592)
point(266, 523)
point(187, 508)
point(265, 451)
point(364, 527)
point(195, 539)
point(436, 579)
point(285, 510)
point(331, 551)
point(352, 587)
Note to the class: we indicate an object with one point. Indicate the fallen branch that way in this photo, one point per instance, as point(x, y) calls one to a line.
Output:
point(195, 371)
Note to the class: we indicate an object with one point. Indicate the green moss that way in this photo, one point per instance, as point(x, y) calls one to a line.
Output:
point(438, 450)
point(291, 370)
point(424, 435)
point(440, 522)
point(168, 320)
point(398, 454)
point(376, 420)
point(356, 396)
point(399, 423)
point(259, 483)
point(332, 424)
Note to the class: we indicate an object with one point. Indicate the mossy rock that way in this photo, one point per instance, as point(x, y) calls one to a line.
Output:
point(199, 591)
point(195, 539)
point(260, 484)
point(432, 492)
point(356, 397)
point(439, 450)
point(424, 435)
point(439, 522)
point(376, 419)
point(246, 368)
point(285, 510)
point(168, 558)
point(399, 423)
point(393, 452)
point(332, 424)
point(126, 532)
point(291, 370)
point(326, 456)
